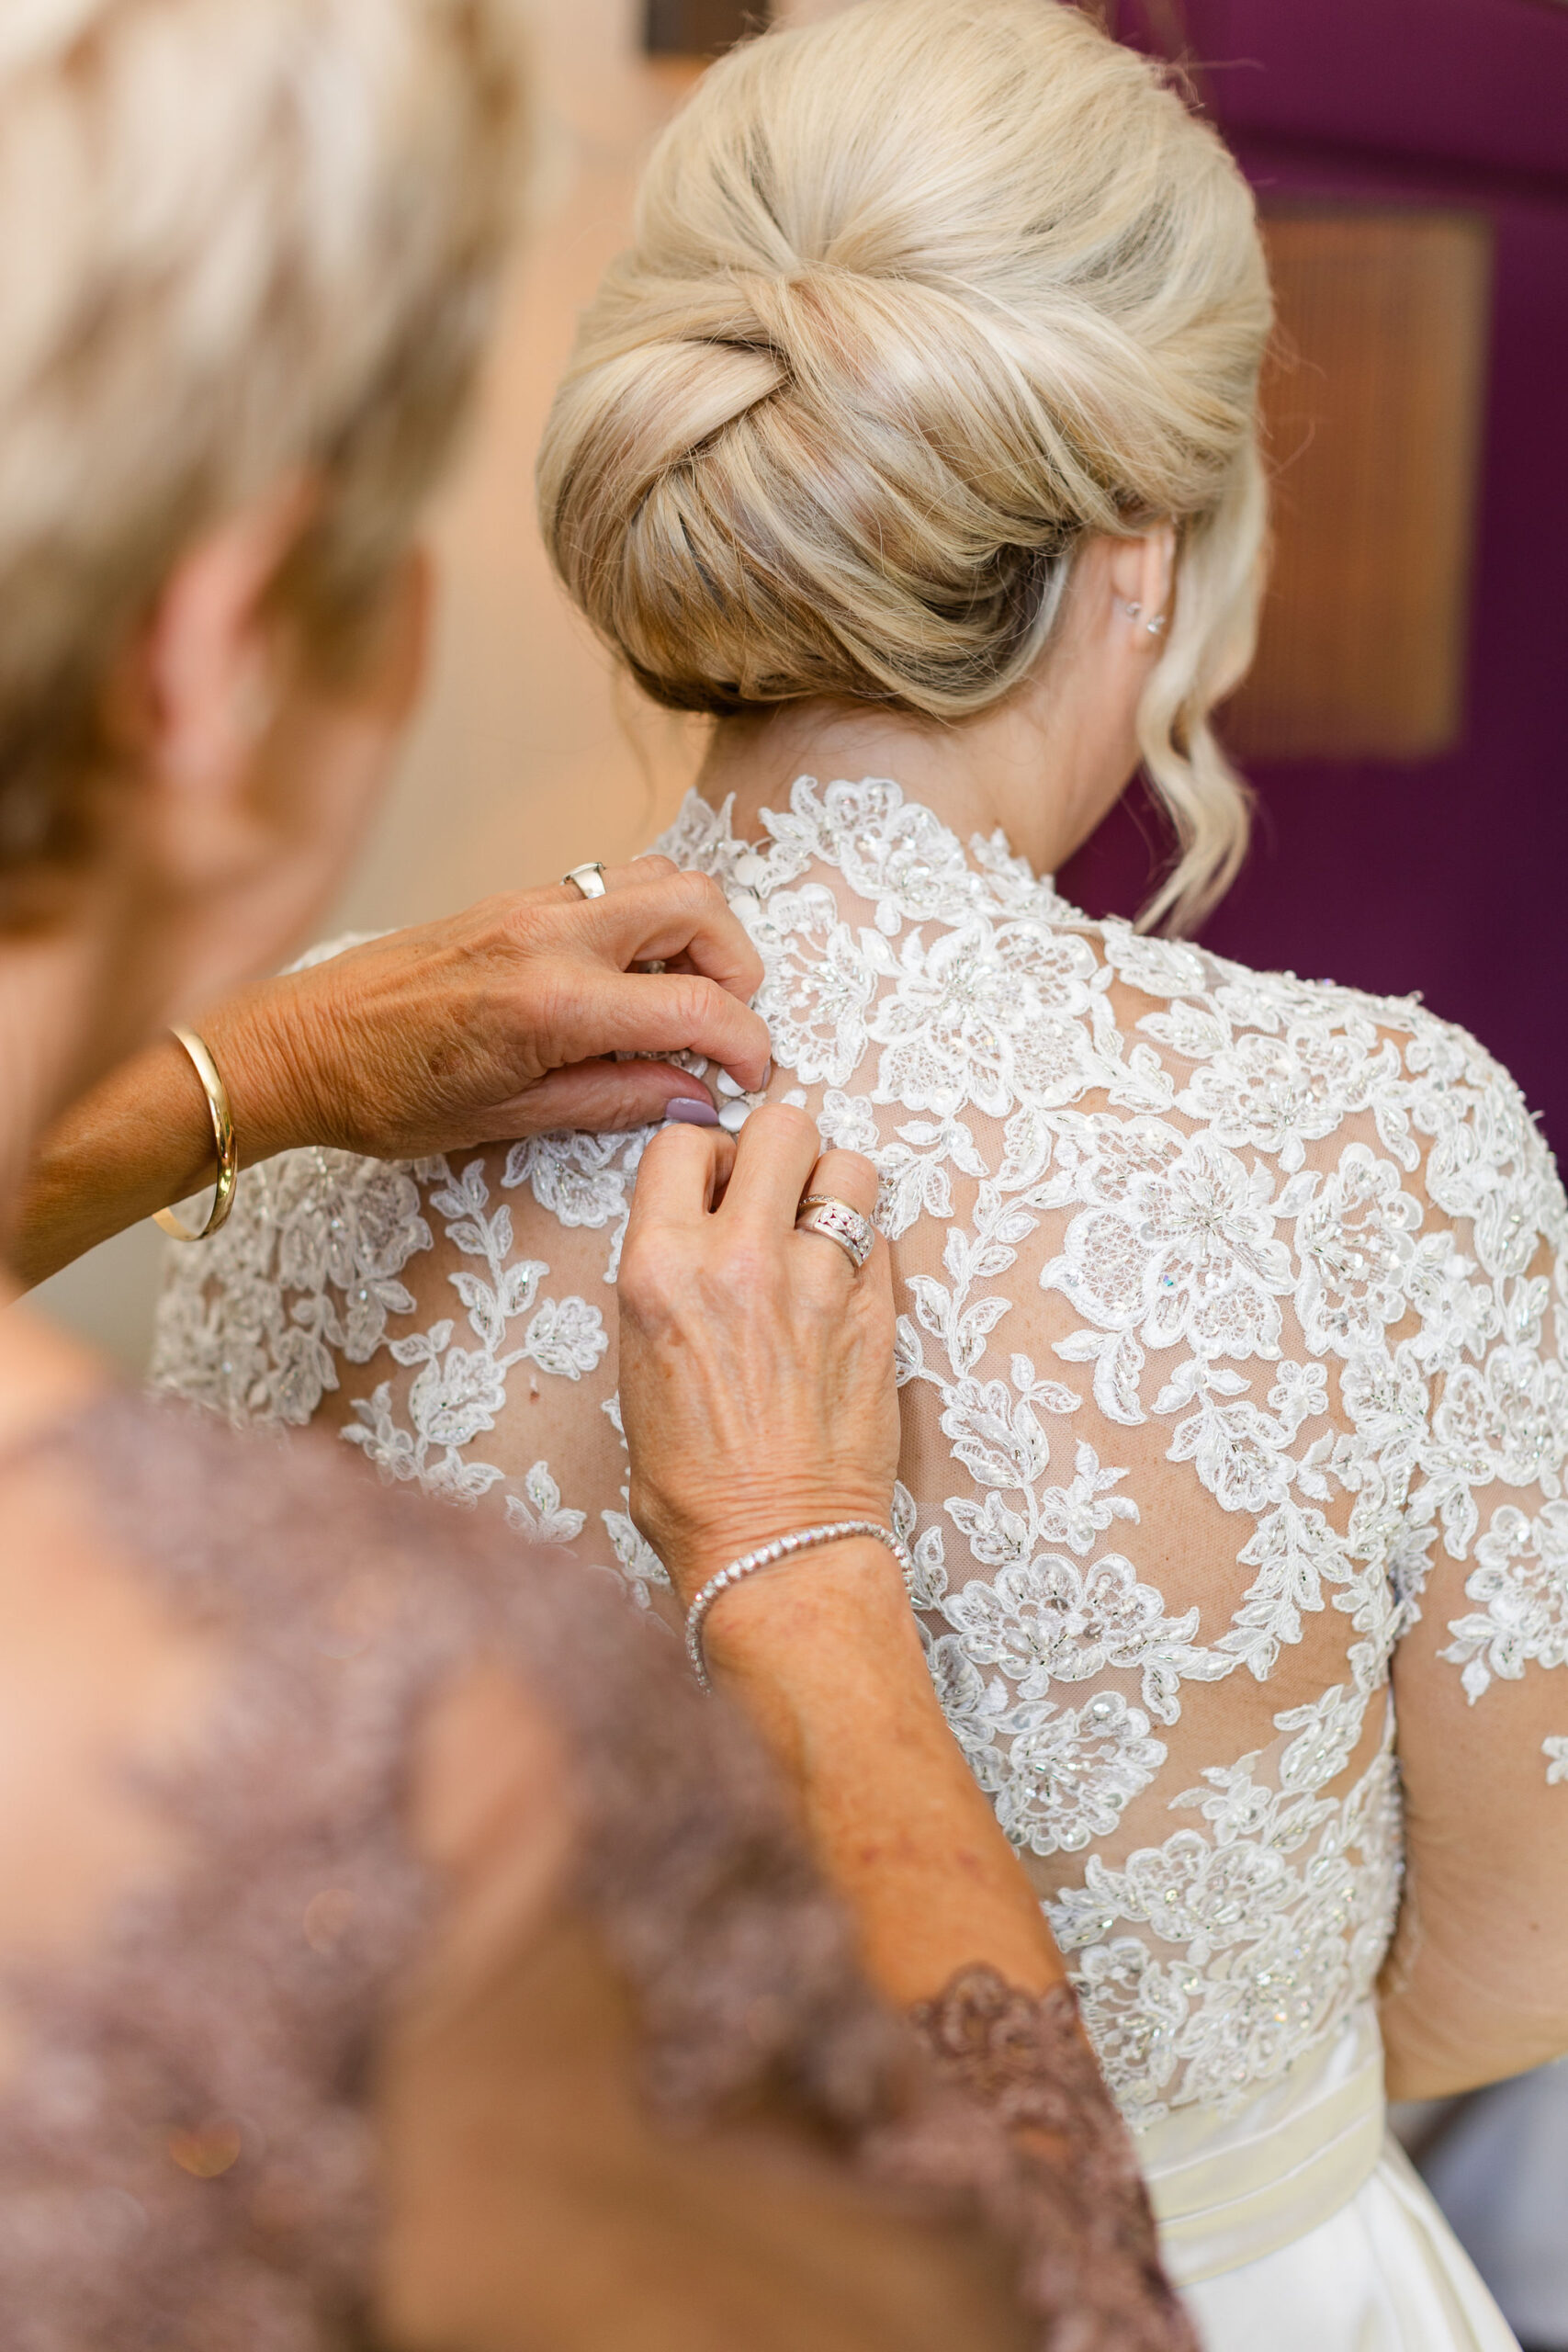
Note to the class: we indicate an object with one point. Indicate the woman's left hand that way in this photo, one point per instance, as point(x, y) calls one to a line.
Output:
point(498, 1022)
point(502, 1022)
point(756, 1365)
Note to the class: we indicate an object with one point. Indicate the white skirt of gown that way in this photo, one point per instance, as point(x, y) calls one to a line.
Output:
point(1298, 2224)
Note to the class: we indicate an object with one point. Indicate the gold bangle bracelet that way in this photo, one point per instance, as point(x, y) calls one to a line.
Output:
point(223, 1143)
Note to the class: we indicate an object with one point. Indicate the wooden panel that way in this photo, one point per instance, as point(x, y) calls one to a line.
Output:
point(1373, 403)
point(699, 27)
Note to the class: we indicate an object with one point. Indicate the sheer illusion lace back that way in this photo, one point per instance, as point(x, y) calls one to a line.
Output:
point(1227, 1343)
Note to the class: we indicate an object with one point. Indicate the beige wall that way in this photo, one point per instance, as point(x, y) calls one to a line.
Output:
point(527, 759)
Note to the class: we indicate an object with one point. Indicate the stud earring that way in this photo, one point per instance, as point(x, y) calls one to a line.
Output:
point(1156, 627)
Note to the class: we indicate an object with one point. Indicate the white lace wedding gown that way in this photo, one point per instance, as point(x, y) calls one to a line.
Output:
point(1226, 1350)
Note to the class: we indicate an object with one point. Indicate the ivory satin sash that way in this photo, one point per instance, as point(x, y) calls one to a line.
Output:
point(1229, 2190)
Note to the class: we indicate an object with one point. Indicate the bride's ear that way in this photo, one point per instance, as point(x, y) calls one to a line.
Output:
point(1143, 580)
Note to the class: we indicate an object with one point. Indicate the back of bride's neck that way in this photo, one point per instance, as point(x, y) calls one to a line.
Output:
point(758, 759)
point(994, 769)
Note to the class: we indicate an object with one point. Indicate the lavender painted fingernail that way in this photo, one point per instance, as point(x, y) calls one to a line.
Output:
point(690, 1110)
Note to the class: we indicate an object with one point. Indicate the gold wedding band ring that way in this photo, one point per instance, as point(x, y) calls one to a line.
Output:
point(837, 1222)
point(587, 881)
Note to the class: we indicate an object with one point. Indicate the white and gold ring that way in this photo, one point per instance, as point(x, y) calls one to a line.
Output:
point(837, 1222)
point(588, 879)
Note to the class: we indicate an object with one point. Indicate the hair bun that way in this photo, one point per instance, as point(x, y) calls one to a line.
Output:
point(919, 296)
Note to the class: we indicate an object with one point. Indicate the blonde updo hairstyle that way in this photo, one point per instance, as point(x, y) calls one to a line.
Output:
point(238, 238)
point(918, 298)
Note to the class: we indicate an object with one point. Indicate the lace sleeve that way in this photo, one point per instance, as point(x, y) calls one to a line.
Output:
point(455, 1321)
point(1075, 2203)
point(1476, 1987)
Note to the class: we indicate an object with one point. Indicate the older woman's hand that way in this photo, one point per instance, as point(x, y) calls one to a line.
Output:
point(499, 1022)
point(758, 1396)
point(756, 1364)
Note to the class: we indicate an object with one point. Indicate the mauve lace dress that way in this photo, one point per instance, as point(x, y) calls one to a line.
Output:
point(714, 2134)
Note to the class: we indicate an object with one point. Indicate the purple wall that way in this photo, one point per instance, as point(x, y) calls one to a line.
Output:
point(1449, 877)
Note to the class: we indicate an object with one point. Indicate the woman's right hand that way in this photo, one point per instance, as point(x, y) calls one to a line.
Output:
point(758, 1398)
point(756, 1365)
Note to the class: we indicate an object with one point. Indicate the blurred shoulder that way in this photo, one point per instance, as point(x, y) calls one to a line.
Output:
point(282, 1539)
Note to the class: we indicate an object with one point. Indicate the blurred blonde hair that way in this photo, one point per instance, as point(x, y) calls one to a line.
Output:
point(237, 238)
point(918, 298)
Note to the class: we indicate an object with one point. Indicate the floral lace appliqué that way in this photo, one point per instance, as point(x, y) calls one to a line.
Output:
point(1200, 1269)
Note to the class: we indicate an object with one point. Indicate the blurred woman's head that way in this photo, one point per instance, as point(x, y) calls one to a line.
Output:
point(247, 254)
point(921, 301)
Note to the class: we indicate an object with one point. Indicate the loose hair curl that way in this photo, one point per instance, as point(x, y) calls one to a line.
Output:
point(918, 298)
